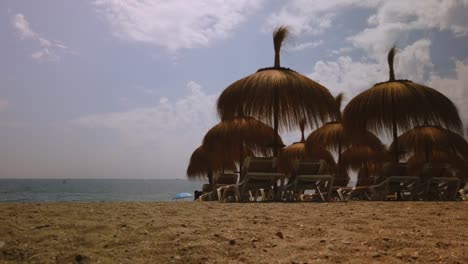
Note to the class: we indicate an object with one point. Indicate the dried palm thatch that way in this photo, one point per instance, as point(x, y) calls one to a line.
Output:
point(398, 105)
point(297, 152)
point(202, 165)
point(361, 156)
point(231, 138)
point(278, 96)
point(366, 160)
point(426, 139)
point(333, 136)
point(417, 161)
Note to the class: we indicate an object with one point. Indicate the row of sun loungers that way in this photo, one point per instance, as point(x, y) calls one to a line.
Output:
point(312, 181)
point(432, 184)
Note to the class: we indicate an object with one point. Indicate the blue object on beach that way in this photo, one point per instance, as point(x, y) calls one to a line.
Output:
point(182, 195)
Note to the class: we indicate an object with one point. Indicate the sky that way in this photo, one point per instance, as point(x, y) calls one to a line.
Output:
point(127, 89)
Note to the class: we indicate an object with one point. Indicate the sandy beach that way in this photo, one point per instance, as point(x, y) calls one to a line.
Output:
point(210, 232)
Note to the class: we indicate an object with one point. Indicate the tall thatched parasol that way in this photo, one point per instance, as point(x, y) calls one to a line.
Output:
point(333, 136)
point(426, 139)
point(230, 138)
point(297, 152)
point(416, 162)
point(203, 165)
point(399, 105)
point(365, 159)
point(278, 96)
point(361, 156)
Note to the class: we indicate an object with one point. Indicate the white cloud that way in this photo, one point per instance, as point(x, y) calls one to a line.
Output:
point(167, 132)
point(455, 87)
point(3, 104)
point(394, 21)
point(391, 24)
point(348, 75)
point(22, 25)
point(175, 24)
point(303, 46)
point(352, 77)
point(49, 50)
point(311, 16)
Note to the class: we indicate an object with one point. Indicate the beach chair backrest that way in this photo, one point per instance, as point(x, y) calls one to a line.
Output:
point(310, 167)
point(431, 170)
point(392, 169)
point(207, 188)
point(227, 178)
point(260, 164)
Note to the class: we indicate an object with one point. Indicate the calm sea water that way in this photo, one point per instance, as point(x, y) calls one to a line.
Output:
point(93, 190)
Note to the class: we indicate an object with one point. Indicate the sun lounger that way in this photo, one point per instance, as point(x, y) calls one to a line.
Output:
point(433, 181)
point(354, 193)
point(462, 194)
point(258, 174)
point(395, 181)
point(443, 188)
point(210, 192)
point(309, 176)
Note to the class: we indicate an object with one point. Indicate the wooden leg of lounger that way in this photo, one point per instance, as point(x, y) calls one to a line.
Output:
point(219, 195)
point(238, 194)
point(330, 186)
point(340, 194)
point(320, 193)
point(462, 194)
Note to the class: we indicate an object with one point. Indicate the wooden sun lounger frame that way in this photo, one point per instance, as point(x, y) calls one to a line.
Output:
point(210, 196)
point(254, 182)
point(404, 184)
point(311, 180)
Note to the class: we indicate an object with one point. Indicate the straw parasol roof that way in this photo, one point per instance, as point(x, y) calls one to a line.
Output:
point(425, 139)
point(297, 151)
point(333, 136)
point(278, 96)
point(416, 162)
point(361, 156)
point(202, 165)
point(398, 105)
point(230, 138)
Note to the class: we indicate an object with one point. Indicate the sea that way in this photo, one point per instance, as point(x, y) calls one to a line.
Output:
point(95, 190)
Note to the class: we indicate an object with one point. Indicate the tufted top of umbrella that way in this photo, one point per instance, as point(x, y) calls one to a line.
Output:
point(399, 105)
point(278, 95)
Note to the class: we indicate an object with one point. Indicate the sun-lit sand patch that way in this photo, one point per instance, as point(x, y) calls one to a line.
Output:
point(196, 232)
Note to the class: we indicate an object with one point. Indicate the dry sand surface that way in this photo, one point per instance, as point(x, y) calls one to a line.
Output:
point(210, 232)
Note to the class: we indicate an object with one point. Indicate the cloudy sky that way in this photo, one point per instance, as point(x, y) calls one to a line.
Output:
point(127, 89)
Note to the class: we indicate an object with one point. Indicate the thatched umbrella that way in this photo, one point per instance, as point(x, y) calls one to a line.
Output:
point(297, 152)
point(416, 162)
point(365, 159)
point(203, 165)
point(425, 139)
point(230, 138)
point(278, 96)
point(361, 156)
point(333, 136)
point(399, 105)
